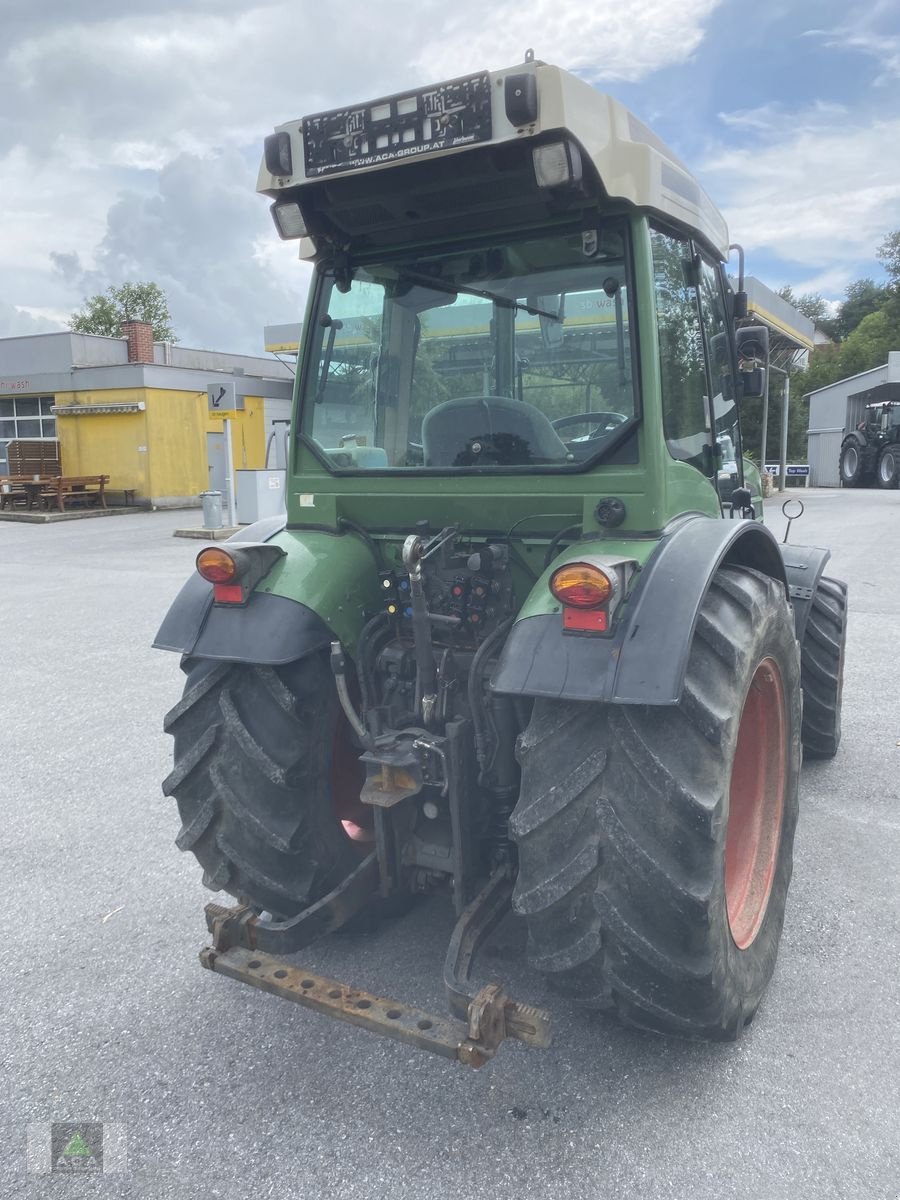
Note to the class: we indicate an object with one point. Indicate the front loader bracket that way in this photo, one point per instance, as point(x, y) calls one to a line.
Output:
point(241, 941)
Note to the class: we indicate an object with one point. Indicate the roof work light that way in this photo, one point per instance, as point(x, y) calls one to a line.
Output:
point(288, 220)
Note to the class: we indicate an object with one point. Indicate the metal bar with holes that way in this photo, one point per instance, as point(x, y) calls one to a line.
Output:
point(487, 1018)
point(402, 1022)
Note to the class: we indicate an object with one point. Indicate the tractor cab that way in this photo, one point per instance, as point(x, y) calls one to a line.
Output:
point(514, 279)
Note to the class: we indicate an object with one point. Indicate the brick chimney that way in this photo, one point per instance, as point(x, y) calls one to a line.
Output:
point(140, 340)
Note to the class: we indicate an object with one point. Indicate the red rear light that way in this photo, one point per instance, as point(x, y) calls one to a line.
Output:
point(581, 585)
point(228, 593)
point(216, 565)
point(586, 620)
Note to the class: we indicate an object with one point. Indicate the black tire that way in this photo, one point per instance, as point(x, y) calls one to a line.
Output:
point(621, 828)
point(822, 669)
point(888, 470)
point(850, 464)
point(254, 781)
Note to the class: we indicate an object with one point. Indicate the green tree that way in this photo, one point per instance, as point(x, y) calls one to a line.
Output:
point(889, 256)
point(861, 299)
point(104, 313)
point(812, 305)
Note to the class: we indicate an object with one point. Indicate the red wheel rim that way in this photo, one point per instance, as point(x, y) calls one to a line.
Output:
point(347, 778)
point(756, 804)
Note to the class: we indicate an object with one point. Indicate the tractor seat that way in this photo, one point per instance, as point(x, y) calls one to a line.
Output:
point(489, 430)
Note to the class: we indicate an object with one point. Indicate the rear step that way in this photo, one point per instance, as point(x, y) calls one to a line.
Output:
point(487, 1018)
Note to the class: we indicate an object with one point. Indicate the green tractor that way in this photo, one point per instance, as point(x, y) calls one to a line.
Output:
point(522, 638)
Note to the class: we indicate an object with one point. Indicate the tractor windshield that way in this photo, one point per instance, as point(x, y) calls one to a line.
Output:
point(514, 355)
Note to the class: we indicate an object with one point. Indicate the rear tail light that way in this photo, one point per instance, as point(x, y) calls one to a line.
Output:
point(216, 565)
point(591, 591)
point(235, 572)
point(581, 585)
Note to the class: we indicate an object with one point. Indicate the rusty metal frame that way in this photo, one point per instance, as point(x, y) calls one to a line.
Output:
point(242, 926)
point(492, 1015)
point(480, 1023)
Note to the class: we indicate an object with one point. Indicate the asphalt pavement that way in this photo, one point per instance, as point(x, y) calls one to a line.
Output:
point(223, 1091)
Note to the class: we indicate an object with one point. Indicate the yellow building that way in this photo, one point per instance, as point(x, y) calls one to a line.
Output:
point(138, 412)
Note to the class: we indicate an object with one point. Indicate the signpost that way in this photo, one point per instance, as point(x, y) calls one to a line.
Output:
point(224, 402)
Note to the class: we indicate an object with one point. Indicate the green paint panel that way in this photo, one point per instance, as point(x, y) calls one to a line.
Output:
point(333, 574)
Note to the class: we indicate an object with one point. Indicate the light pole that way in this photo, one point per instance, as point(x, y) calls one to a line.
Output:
point(785, 406)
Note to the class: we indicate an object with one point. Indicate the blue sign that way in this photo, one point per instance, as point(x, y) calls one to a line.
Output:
point(795, 469)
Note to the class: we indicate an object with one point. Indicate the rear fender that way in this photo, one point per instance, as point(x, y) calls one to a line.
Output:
point(318, 591)
point(644, 660)
point(803, 567)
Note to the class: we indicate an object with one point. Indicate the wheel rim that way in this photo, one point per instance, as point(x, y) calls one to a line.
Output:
point(347, 777)
point(851, 461)
point(887, 467)
point(756, 804)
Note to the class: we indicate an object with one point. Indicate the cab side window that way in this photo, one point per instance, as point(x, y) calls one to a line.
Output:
point(717, 332)
point(681, 359)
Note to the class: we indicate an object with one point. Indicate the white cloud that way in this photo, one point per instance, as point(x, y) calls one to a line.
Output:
point(194, 235)
point(771, 118)
point(150, 85)
point(883, 47)
point(19, 322)
point(622, 42)
point(124, 130)
point(817, 188)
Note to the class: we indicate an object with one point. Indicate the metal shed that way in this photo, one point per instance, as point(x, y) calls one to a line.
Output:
point(835, 409)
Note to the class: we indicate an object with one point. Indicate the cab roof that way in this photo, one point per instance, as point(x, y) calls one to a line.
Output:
point(633, 164)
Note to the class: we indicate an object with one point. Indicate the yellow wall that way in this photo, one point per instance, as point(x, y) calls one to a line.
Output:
point(160, 452)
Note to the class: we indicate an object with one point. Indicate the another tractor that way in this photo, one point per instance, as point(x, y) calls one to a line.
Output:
point(871, 452)
point(522, 638)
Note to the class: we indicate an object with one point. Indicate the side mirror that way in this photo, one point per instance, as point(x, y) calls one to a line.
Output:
point(752, 345)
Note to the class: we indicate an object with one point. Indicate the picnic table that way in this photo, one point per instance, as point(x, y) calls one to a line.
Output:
point(20, 487)
point(54, 492)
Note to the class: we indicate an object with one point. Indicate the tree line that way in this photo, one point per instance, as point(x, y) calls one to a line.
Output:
point(864, 327)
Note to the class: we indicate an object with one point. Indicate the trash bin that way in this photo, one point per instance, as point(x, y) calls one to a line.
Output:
point(212, 510)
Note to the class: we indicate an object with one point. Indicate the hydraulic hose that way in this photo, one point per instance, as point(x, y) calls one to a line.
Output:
point(364, 651)
point(555, 540)
point(339, 670)
point(476, 699)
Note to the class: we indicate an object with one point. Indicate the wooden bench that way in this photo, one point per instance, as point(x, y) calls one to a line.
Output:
point(85, 489)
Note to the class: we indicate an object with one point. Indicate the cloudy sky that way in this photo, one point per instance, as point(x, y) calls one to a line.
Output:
point(130, 134)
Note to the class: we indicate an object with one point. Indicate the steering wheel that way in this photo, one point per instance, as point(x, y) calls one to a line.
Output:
point(603, 422)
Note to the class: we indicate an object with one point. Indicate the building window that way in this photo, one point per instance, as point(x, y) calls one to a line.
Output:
point(26, 417)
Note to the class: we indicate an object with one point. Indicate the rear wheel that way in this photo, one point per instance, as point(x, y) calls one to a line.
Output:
point(822, 669)
point(655, 843)
point(888, 470)
point(851, 463)
point(267, 781)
